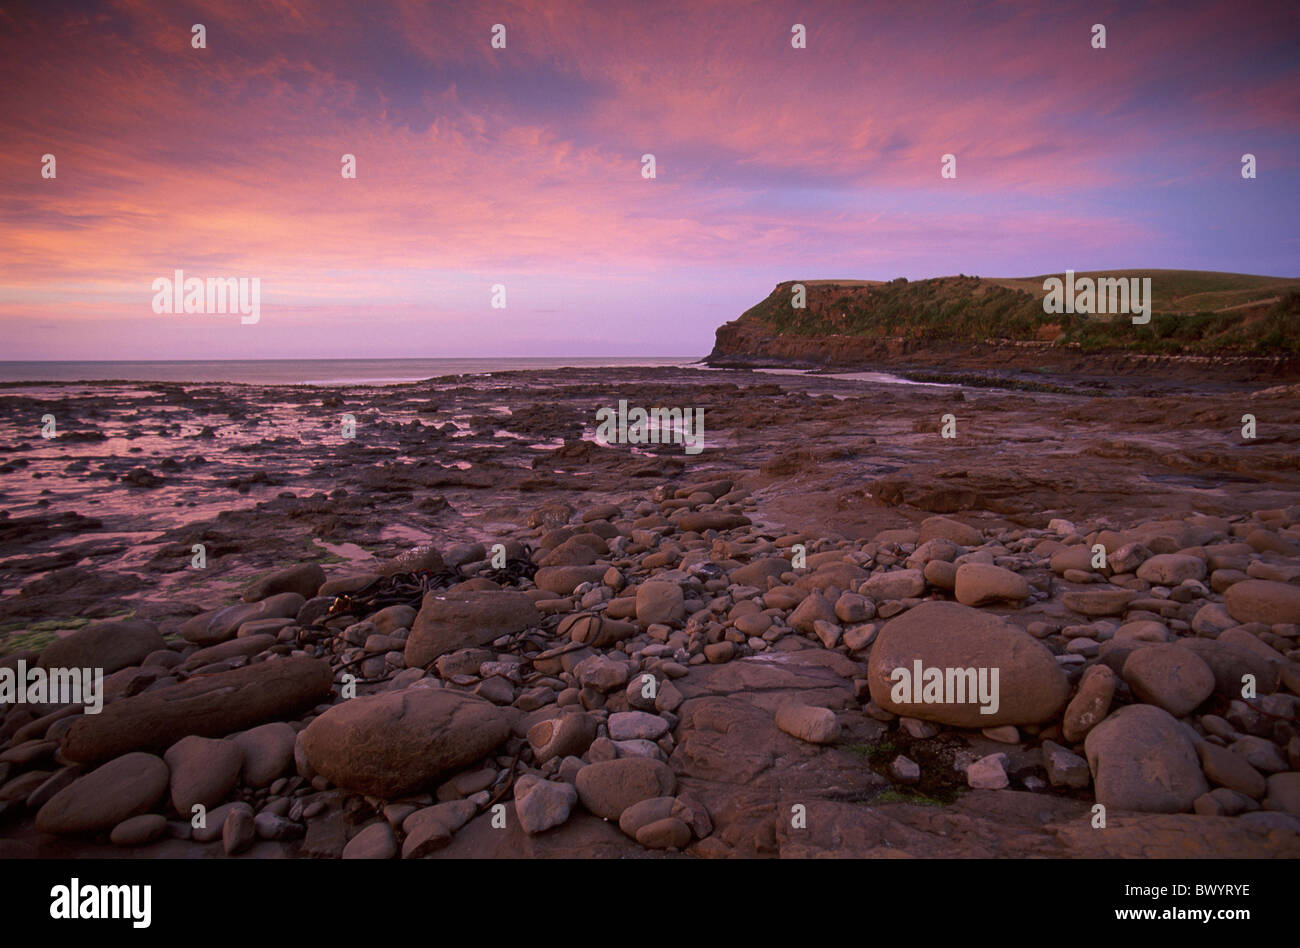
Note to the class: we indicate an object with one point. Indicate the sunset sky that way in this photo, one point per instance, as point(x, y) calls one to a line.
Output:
point(522, 166)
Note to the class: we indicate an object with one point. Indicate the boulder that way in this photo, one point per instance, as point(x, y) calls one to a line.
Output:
point(562, 580)
point(565, 735)
point(304, 579)
point(267, 752)
point(895, 584)
point(1170, 569)
point(610, 787)
point(1226, 769)
point(711, 520)
point(945, 528)
point(389, 744)
point(660, 603)
point(814, 608)
point(981, 583)
point(126, 787)
point(449, 622)
point(1098, 602)
point(758, 572)
point(1091, 704)
point(110, 645)
point(1259, 600)
point(1031, 687)
point(1142, 759)
point(583, 549)
point(211, 628)
point(376, 841)
point(1168, 676)
point(207, 705)
point(203, 771)
point(1230, 664)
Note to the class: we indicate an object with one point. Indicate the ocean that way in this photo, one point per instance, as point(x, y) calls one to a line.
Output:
point(312, 371)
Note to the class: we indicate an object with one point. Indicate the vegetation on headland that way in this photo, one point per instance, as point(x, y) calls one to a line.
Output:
point(1193, 313)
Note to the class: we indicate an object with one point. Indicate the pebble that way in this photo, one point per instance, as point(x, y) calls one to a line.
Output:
point(376, 841)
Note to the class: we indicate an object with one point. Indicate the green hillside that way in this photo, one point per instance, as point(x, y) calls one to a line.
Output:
point(1192, 312)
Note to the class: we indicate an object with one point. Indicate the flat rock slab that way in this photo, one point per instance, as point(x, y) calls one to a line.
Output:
point(999, 824)
point(207, 705)
point(583, 837)
point(819, 676)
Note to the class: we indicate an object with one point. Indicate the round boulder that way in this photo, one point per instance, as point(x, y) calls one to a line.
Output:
point(958, 642)
point(609, 787)
point(1173, 678)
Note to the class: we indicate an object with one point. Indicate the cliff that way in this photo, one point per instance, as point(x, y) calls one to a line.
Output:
point(1240, 324)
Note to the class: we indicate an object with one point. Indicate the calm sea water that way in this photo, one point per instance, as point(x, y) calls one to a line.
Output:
point(309, 371)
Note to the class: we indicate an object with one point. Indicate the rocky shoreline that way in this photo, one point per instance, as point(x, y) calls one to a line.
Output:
point(702, 665)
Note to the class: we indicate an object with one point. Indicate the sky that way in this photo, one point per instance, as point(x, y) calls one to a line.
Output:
point(523, 166)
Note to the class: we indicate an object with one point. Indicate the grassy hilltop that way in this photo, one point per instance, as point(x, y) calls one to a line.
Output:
point(1193, 312)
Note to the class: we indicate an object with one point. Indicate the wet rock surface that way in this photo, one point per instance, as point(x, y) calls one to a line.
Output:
point(668, 654)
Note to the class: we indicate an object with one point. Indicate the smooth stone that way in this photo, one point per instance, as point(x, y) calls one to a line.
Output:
point(203, 771)
point(565, 735)
point(1099, 602)
point(1031, 685)
point(669, 833)
point(636, 725)
point(376, 841)
point(127, 786)
point(1226, 769)
point(660, 603)
point(642, 814)
point(811, 724)
point(1142, 759)
point(610, 787)
point(212, 706)
point(447, 622)
point(432, 828)
point(393, 743)
point(111, 645)
point(238, 830)
point(1168, 676)
point(981, 583)
point(268, 752)
point(139, 830)
point(1170, 569)
point(1091, 703)
point(304, 579)
point(897, 584)
point(1261, 600)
